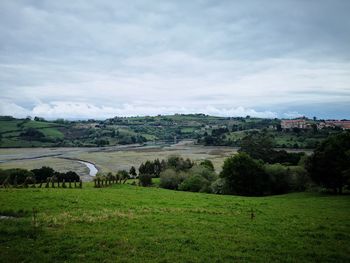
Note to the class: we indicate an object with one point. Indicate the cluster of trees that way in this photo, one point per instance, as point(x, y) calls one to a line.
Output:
point(328, 166)
point(155, 167)
point(258, 170)
point(243, 175)
point(19, 176)
point(198, 178)
point(151, 169)
point(261, 146)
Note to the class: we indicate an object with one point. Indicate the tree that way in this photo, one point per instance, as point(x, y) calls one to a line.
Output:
point(132, 171)
point(258, 146)
point(329, 165)
point(123, 175)
point(43, 173)
point(244, 176)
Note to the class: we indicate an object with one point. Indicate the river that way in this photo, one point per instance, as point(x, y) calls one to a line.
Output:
point(92, 168)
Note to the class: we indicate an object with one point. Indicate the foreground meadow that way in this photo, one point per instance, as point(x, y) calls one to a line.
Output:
point(127, 223)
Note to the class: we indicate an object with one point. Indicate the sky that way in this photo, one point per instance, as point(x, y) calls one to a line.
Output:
point(104, 58)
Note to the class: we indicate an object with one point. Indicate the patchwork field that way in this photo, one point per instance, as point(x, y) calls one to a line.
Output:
point(125, 223)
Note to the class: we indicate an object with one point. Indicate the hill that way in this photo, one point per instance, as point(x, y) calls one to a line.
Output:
point(206, 130)
point(125, 223)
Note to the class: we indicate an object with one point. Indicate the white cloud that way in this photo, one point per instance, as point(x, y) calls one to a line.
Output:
point(79, 110)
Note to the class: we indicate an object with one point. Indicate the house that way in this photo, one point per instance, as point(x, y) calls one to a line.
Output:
point(343, 124)
point(290, 124)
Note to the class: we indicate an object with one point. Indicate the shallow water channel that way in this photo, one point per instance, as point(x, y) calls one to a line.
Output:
point(92, 168)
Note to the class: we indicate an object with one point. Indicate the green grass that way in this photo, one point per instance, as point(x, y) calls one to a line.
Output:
point(127, 223)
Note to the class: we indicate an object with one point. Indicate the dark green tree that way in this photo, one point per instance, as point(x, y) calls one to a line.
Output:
point(244, 176)
point(132, 171)
point(258, 146)
point(329, 165)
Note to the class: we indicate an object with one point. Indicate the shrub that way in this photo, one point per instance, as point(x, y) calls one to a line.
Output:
point(178, 163)
point(195, 183)
point(170, 179)
point(208, 164)
point(145, 179)
point(279, 178)
point(204, 172)
point(218, 186)
point(300, 180)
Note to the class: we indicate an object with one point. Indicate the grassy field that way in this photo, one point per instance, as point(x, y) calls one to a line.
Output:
point(125, 223)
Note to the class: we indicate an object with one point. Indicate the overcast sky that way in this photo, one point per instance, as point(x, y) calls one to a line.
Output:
point(102, 58)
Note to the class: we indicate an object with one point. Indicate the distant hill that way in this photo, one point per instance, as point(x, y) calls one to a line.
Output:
point(208, 130)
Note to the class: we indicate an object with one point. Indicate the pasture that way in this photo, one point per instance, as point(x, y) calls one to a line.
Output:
point(125, 223)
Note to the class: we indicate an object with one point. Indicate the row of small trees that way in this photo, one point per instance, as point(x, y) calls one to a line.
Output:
point(38, 177)
point(120, 177)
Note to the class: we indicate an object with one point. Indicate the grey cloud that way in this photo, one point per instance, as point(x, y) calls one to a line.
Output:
point(154, 54)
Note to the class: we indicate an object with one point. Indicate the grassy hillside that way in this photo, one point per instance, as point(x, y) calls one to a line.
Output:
point(208, 130)
point(132, 224)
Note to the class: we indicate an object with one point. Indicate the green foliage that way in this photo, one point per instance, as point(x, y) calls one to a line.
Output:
point(43, 173)
point(218, 186)
point(329, 165)
point(244, 175)
point(208, 164)
point(170, 179)
point(279, 178)
point(132, 171)
point(14, 176)
point(260, 146)
point(178, 163)
point(195, 183)
point(145, 179)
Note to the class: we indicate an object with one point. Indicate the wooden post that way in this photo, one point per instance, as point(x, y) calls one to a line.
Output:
point(75, 183)
point(80, 184)
point(70, 183)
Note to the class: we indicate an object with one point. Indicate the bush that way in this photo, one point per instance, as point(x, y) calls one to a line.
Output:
point(178, 163)
point(208, 164)
point(195, 183)
point(145, 179)
point(218, 186)
point(279, 178)
point(170, 179)
point(244, 176)
point(300, 180)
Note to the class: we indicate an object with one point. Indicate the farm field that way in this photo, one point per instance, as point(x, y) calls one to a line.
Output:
point(108, 159)
point(125, 223)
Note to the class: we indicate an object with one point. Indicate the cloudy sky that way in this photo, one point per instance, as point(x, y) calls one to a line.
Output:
point(102, 58)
